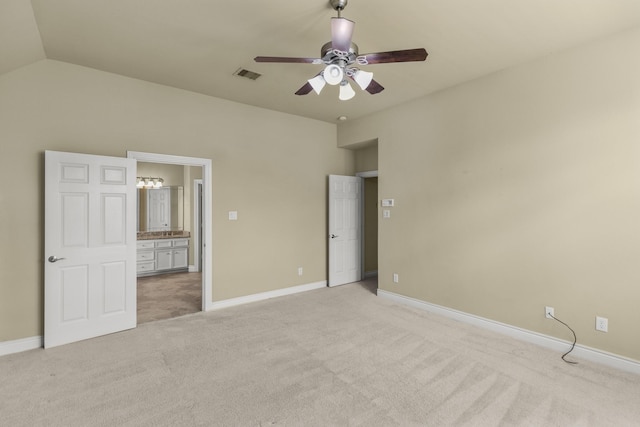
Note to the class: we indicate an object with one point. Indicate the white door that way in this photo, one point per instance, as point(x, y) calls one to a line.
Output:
point(159, 207)
point(90, 246)
point(345, 201)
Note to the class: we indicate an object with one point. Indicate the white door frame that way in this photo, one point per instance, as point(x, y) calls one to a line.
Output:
point(207, 212)
point(364, 175)
point(197, 219)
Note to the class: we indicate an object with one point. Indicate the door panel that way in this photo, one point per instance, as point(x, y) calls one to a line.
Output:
point(345, 201)
point(90, 246)
point(114, 287)
point(74, 291)
point(114, 219)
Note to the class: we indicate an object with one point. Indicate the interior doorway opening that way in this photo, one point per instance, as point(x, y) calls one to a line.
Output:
point(189, 280)
point(369, 226)
point(169, 279)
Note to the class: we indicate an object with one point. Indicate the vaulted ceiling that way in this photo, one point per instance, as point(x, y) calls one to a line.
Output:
point(197, 45)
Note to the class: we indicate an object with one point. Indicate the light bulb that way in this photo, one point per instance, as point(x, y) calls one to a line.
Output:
point(333, 74)
point(346, 91)
point(363, 78)
point(317, 83)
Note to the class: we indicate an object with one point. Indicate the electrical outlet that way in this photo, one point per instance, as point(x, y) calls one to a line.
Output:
point(395, 278)
point(299, 271)
point(602, 324)
point(549, 311)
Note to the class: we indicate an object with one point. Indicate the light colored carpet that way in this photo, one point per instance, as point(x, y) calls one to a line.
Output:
point(338, 356)
point(168, 295)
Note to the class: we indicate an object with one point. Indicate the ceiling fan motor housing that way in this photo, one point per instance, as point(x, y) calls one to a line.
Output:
point(330, 56)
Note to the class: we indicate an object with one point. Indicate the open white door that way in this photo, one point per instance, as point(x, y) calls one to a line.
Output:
point(90, 246)
point(345, 248)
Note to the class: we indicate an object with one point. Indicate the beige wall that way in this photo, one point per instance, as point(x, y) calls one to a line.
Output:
point(275, 180)
point(371, 225)
point(367, 158)
point(520, 190)
point(366, 161)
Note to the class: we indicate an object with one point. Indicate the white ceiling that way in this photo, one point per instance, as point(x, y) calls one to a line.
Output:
point(198, 44)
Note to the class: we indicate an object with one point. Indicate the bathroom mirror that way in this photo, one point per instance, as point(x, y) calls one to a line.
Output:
point(161, 209)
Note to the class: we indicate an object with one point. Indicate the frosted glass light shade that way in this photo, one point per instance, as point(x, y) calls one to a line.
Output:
point(317, 83)
point(346, 92)
point(363, 78)
point(333, 74)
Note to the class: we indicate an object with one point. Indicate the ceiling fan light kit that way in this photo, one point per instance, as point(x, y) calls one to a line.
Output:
point(340, 54)
point(346, 91)
point(363, 78)
point(317, 83)
point(333, 74)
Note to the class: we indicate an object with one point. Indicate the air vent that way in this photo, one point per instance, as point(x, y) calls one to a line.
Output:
point(246, 73)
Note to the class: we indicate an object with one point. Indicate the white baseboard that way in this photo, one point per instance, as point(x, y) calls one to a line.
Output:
point(193, 269)
point(584, 352)
point(216, 305)
point(372, 273)
point(23, 344)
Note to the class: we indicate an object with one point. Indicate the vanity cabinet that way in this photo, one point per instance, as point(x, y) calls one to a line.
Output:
point(159, 256)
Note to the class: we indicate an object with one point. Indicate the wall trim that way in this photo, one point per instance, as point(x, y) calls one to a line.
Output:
point(20, 345)
point(231, 302)
point(584, 352)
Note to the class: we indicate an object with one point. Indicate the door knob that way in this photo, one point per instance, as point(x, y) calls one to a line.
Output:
point(333, 236)
point(54, 258)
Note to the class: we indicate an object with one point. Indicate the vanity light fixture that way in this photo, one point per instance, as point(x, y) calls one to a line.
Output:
point(149, 182)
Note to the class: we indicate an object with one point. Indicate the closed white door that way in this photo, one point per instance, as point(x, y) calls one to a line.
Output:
point(90, 246)
point(159, 206)
point(345, 248)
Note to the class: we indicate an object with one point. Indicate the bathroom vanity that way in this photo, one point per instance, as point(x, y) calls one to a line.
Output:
point(158, 254)
point(163, 245)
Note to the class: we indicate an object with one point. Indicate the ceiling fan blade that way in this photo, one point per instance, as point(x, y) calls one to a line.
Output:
point(374, 87)
point(341, 33)
point(305, 89)
point(287, 60)
point(407, 55)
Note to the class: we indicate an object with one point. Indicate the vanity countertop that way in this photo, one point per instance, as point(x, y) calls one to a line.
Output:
point(152, 235)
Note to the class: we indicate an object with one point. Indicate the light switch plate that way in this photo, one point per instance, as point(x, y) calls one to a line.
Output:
point(386, 213)
point(233, 215)
point(387, 203)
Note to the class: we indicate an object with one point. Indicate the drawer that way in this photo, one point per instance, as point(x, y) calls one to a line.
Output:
point(149, 244)
point(145, 255)
point(145, 266)
point(163, 243)
point(181, 242)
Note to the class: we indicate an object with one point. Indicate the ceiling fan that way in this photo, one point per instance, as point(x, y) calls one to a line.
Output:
point(341, 59)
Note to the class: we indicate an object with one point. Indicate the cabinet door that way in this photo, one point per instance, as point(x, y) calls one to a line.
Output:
point(180, 258)
point(163, 259)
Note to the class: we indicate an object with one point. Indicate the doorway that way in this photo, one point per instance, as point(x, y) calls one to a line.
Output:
point(168, 284)
point(370, 228)
point(204, 276)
